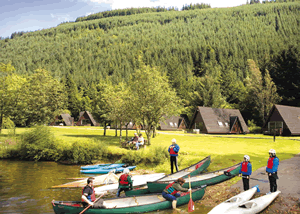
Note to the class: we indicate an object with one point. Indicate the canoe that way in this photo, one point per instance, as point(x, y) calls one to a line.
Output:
point(234, 201)
point(255, 205)
point(194, 169)
point(103, 166)
point(94, 166)
point(109, 178)
point(138, 180)
point(139, 204)
point(209, 178)
point(105, 170)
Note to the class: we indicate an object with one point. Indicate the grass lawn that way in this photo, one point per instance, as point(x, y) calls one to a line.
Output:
point(225, 150)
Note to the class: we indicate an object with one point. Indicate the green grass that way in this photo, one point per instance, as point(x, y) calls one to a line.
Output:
point(225, 150)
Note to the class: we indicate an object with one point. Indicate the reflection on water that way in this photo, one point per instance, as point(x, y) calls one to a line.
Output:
point(25, 187)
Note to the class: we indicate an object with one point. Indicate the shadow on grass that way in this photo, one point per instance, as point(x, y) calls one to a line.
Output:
point(112, 140)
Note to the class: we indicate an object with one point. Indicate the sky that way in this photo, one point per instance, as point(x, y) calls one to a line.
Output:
point(31, 15)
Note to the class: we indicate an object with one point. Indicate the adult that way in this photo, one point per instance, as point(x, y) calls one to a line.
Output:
point(173, 150)
point(246, 171)
point(271, 169)
point(125, 182)
point(140, 142)
point(171, 191)
point(134, 140)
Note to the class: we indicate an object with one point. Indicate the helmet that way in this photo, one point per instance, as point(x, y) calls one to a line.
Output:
point(173, 140)
point(272, 151)
point(247, 158)
point(126, 171)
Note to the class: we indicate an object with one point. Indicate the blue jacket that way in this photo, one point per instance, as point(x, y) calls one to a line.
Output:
point(275, 166)
point(249, 171)
point(175, 149)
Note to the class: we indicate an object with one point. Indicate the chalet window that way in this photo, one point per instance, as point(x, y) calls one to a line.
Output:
point(272, 125)
point(171, 124)
point(226, 124)
point(220, 123)
point(130, 123)
point(85, 122)
point(175, 124)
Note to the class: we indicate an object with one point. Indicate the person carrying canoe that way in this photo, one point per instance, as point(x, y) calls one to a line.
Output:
point(271, 170)
point(173, 150)
point(171, 191)
point(125, 182)
point(246, 171)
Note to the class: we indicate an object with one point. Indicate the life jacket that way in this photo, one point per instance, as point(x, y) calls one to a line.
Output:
point(270, 162)
point(245, 166)
point(170, 189)
point(172, 152)
point(123, 179)
point(91, 197)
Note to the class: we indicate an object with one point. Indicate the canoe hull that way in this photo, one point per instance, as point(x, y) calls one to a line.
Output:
point(157, 186)
point(96, 166)
point(105, 171)
point(63, 208)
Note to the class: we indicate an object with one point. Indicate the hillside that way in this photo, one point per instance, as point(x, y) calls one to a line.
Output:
point(216, 42)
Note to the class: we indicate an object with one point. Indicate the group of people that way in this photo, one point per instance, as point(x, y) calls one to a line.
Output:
point(271, 169)
point(137, 140)
point(170, 193)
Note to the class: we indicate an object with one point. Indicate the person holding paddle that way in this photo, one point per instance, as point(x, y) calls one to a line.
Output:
point(173, 150)
point(246, 171)
point(171, 191)
point(125, 182)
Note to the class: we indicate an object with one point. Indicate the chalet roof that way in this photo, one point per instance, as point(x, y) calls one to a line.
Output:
point(217, 120)
point(170, 123)
point(186, 120)
point(67, 119)
point(90, 117)
point(291, 117)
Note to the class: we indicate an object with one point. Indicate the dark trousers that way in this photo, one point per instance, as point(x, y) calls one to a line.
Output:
point(246, 183)
point(273, 184)
point(173, 162)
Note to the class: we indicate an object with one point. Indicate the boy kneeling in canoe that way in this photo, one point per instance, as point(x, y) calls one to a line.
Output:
point(171, 191)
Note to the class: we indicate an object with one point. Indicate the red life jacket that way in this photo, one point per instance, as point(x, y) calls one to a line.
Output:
point(123, 179)
point(91, 197)
point(171, 189)
point(172, 152)
point(245, 166)
point(270, 162)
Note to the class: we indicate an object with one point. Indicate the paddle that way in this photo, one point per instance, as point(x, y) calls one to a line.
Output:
point(261, 180)
point(191, 206)
point(90, 205)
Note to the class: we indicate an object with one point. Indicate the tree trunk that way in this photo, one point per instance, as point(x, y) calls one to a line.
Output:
point(154, 132)
point(1, 122)
point(148, 133)
point(127, 132)
point(120, 132)
point(104, 132)
point(116, 134)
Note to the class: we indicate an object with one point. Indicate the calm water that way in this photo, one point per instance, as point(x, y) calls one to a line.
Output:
point(25, 187)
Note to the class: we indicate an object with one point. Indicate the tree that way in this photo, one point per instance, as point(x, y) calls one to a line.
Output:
point(73, 97)
point(151, 97)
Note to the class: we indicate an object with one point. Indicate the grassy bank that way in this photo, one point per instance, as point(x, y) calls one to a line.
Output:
point(225, 150)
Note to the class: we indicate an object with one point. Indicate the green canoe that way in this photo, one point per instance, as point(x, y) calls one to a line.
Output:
point(195, 169)
point(139, 204)
point(209, 178)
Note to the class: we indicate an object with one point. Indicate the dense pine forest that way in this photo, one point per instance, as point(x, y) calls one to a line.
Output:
point(245, 57)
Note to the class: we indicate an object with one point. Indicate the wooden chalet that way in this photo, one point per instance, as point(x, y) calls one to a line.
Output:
point(86, 119)
point(63, 119)
point(284, 120)
point(175, 123)
point(218, 121)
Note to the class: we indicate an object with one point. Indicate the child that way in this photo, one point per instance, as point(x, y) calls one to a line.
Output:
point(246, 171)
point(271, 169)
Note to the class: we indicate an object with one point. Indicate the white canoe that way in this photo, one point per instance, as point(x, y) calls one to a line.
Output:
point(137, 180)
point(254, 206)
point(235, 201)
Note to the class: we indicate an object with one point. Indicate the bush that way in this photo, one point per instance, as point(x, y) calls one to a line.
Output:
point(253, 128)
point(39, 144)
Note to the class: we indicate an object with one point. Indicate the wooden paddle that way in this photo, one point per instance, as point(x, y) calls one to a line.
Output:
point(90, 205)
point(191, 206)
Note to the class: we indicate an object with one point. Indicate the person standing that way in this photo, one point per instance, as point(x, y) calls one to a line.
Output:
point(246, 171)
point(125, 182)
point(171, 191)
point(271, 169)
point(173, 150)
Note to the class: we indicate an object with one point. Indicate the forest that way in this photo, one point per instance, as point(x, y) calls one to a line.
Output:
point(244, 57)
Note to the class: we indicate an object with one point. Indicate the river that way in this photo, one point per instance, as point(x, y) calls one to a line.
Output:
point(25, 187)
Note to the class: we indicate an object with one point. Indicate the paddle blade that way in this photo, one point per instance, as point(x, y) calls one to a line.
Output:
point(191, 206)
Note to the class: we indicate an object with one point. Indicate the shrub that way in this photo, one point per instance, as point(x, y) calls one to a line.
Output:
point(253, 128)
point(39, 144)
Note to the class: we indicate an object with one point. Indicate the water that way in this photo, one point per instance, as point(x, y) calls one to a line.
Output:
point(25, 187)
